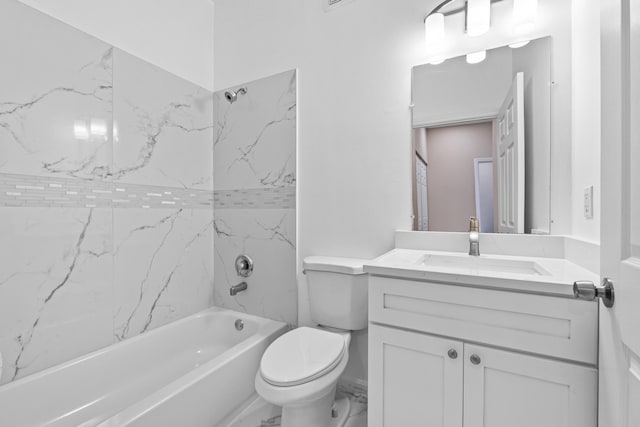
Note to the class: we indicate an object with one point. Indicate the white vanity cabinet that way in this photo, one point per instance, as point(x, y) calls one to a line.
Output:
point(448, 355)
point(412, 379)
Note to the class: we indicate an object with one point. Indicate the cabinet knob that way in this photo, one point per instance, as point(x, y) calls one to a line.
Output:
point(475, 359)
point(453, 354)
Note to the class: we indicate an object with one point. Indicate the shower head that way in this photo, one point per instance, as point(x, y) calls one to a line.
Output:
point(233, 96)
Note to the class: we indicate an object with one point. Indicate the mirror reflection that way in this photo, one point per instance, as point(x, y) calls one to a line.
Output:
point(481, 141)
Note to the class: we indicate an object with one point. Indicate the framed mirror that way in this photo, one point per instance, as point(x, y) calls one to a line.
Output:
point(481, 141)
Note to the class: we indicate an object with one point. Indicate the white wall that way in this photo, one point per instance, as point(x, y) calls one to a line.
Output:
point(535, 63)
point(174, 35)
point(455, 91)
point(354, 155)
point(586, 118)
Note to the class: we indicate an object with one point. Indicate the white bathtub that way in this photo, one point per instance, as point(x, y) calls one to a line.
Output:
point(192, 372)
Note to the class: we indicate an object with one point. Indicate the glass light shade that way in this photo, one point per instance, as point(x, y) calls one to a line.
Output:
point(478, 17)
point(434, 31)
point(519, 44)
point(476, 57)
point(524, 15)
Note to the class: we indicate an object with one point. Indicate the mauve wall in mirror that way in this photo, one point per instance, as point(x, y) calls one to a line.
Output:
point(106, 204)
point(458, 92)
point(451, 151)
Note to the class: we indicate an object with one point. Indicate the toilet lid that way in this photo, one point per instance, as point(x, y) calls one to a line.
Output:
point(301, 355)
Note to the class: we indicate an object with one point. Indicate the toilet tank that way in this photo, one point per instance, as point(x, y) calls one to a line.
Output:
point(338, 291)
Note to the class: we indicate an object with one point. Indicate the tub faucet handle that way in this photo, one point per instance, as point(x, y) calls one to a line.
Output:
point(244, 266)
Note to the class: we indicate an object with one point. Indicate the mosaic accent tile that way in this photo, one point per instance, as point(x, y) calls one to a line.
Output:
point(256, 198)
point(35, 191)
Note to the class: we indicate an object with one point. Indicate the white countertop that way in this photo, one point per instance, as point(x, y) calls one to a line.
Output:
point(549, 276)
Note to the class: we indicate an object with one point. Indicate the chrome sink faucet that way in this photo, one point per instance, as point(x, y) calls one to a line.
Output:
point(474, 236)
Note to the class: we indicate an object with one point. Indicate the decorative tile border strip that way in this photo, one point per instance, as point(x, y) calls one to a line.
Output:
point(256, 198)
point(38, 191)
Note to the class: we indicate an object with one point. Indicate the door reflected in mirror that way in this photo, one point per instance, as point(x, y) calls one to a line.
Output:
point(481, 141)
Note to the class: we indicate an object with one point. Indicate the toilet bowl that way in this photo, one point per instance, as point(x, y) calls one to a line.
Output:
point(300, 370)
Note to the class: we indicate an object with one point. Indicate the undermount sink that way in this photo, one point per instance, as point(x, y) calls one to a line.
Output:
point(482, 263)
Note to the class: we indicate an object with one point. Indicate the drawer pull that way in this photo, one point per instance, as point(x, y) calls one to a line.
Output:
point(475, 359)
point(453, 354)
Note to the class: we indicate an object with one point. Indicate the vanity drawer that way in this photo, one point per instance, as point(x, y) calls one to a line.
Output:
point(557, 327)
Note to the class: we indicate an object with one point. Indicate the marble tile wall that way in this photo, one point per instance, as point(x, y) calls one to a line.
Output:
point(106, 194)
point(254, 197)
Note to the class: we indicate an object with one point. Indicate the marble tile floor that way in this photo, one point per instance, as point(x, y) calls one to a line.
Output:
point(259, 413)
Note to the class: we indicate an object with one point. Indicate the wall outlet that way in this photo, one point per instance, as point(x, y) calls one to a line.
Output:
point(588, 202)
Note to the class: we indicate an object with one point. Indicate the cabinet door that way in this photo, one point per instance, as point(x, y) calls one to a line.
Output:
point(506, 389)
point(414, 379)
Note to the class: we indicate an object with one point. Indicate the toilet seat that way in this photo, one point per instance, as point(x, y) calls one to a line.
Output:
point(300, 356)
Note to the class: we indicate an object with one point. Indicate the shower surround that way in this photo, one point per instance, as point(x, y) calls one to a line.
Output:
point(255, 196)
point(106, 202)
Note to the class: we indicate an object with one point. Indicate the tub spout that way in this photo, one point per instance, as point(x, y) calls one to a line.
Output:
point(237, 288)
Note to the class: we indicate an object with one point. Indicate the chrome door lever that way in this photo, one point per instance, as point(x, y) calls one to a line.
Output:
point(587, 290)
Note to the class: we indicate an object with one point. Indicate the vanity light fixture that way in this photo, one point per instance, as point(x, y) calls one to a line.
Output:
point(476, 57)
point(477, 21)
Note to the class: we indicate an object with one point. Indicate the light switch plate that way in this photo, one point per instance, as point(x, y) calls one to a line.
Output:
point(588, 202)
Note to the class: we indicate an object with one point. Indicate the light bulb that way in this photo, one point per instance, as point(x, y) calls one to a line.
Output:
point(478, 17)
point(434, 31)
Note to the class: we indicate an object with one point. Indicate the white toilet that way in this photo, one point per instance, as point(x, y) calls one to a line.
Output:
point(300, 370)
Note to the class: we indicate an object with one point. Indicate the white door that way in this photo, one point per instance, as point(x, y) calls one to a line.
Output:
point(508, 389)
point(483, 171)
point(416, 379)
point(619, 364)
point(510, 153)
point(421, 189)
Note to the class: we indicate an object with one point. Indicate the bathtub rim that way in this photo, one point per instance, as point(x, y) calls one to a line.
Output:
point(268, 329)
point(130, 341)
